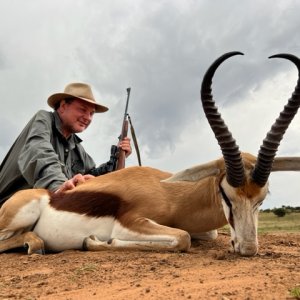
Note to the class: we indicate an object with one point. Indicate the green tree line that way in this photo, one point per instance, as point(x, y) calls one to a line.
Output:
point(283, 210)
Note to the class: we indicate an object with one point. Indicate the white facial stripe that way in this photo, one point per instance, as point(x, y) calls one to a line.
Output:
point(226, 209)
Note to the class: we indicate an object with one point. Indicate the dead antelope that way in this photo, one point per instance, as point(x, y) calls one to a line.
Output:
point(148, 209)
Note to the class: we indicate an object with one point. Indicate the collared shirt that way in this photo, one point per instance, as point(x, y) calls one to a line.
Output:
point(42, 157)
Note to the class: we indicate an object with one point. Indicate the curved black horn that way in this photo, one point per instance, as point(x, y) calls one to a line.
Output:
point(271, 143)
point(233, 162)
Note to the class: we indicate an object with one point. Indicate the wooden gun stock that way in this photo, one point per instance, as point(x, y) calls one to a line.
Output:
point(121, 154)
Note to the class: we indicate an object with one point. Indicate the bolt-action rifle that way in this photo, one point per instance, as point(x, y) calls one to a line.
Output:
point(117, 155)
point(120, 164)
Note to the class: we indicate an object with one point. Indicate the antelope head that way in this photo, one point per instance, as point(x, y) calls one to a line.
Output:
point(242, 179)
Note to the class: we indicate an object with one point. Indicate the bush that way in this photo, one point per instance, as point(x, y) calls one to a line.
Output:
point(279, 212)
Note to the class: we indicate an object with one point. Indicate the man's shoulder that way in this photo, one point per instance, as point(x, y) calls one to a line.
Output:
point(43, 115)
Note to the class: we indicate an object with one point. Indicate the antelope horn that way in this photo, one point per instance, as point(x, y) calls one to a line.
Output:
point(232, 156)
point(270, 145)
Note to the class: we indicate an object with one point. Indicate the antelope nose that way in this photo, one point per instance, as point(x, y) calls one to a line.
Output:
point(248, 249)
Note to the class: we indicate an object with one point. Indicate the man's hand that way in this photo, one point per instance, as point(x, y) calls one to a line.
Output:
point(74, 181)
point(125, 146)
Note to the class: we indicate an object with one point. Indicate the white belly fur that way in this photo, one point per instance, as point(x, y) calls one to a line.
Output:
point(62, 230)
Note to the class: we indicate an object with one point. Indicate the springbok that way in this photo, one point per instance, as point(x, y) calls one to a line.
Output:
point(148, 209)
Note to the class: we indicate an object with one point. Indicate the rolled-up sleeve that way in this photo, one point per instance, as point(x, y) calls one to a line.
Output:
point(38, 161)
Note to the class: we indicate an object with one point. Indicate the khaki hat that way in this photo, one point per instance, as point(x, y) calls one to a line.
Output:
point(79, 91)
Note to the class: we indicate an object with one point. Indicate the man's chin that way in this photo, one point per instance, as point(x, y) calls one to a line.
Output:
point(79, 129)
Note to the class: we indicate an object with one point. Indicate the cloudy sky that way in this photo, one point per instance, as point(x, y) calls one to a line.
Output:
point(161, 49)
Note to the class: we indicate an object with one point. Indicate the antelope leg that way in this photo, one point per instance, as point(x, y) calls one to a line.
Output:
point(30, 240)
point(142, 234)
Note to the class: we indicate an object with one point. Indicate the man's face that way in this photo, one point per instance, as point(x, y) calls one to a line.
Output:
point(76, 116)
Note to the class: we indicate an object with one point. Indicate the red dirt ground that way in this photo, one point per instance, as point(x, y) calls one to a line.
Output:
point(207, 271)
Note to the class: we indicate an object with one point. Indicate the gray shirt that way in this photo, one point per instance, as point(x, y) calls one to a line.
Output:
point(42, 157)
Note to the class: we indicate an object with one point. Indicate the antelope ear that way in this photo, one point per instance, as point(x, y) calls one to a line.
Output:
point(197, 173)
point(286, 164)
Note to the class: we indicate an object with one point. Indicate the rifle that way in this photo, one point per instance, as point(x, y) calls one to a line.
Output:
point(117, 155)
point(121, 153)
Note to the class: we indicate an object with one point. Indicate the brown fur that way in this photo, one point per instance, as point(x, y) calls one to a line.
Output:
point(144, 195)
point(88, 203)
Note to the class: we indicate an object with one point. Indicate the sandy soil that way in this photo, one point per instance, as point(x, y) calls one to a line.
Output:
point(208, 271)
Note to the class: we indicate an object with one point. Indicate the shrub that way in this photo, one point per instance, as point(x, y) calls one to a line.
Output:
point(279, 212)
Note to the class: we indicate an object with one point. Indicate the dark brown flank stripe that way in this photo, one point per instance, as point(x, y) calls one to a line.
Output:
point(87, 203)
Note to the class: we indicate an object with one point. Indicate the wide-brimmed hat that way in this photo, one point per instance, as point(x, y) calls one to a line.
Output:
point(81, 91)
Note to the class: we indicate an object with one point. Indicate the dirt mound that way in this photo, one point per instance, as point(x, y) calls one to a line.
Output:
point(208, 271)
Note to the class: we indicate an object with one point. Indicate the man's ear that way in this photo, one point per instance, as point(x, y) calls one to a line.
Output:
point(61, 106)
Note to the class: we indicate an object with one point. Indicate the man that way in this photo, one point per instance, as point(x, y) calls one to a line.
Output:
point(48, 154)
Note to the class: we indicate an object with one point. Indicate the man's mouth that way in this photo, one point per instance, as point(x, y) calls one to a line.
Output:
point(83, 124)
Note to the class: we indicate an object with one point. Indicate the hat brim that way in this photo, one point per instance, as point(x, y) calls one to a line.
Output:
point(55, 98)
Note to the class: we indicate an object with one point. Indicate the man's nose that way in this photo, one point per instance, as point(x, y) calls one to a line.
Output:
point(88, 117)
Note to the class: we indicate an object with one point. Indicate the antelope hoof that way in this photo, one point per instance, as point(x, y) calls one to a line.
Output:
point(33, 243)
point(85, 244)
point(92, 243)
point(36, 247)
point(87, 241)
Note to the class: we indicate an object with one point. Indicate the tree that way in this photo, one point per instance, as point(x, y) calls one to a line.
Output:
point(279, 212)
